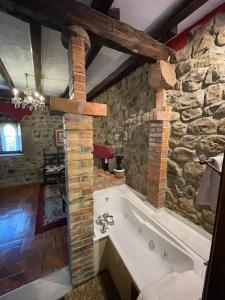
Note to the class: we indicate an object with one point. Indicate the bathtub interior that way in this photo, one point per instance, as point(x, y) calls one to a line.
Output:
point(149, 251)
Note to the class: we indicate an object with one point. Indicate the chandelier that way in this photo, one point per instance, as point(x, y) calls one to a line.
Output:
point(27, 98)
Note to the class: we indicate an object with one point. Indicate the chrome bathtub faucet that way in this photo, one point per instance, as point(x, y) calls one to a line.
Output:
point(105, 220)
point(108, 219)
point(103, 229)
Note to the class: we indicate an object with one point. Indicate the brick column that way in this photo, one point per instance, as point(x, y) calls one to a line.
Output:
point(161, 76)
point(157, 153)
point(78, 130)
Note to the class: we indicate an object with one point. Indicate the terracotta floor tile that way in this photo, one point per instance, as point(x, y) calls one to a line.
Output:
point(24, 256)
point(4, 286)
point(18, 280)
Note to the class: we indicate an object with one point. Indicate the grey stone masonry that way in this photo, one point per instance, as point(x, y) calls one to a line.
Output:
point(127, 125)
point(38, 133)
point(198, 119)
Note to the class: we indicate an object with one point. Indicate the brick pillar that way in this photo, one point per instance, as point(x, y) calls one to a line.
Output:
point(161, 76)
point(157, 159)
point(78, 130)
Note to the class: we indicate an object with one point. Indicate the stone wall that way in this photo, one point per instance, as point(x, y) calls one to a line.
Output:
point(198, 117)
point(125, 128)
point(38, 133)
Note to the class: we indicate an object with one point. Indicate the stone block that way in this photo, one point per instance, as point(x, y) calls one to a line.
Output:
point(213, 94)
point(193, 80)
point(214, 144)
point(187, 205)
point(189, 141)
point(191, 114)
point(203, 126)
point(220, 38)
point(221, 109)
point(183, 67)
point(183, 154)
point(179, 129)
point(193, 172)
point(188, 100)
point(221, 126)
point(202, 45)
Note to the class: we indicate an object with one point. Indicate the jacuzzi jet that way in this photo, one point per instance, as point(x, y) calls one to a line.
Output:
point(164, 255)
point(151, 245)
point(105, 220)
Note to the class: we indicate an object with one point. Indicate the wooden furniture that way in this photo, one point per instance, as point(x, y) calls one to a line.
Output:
point(62, 189)
point(104, 154)
point(54, 167)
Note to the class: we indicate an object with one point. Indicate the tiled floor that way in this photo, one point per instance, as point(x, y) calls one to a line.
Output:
point(51, 287)
point(24, 256)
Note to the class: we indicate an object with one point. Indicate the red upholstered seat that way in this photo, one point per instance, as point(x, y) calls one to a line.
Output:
point(102, 151)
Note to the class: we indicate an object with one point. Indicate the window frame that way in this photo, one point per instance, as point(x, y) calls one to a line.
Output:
point(5, 153)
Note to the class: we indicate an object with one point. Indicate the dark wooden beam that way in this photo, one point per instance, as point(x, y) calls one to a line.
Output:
point(112, 33)
point(163, 33)
point(5, 94)
point(77, 107)
point(103, 7)
point(35, 34)
point(5, 75)
point(20, 10)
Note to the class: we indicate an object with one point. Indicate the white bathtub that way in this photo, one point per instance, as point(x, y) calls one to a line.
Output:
point(136, 228)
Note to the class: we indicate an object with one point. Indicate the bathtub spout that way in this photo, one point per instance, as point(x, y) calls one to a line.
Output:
point(103, 229)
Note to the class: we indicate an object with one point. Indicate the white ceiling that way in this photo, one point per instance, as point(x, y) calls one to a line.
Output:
point(54, 63)
point(15, 50)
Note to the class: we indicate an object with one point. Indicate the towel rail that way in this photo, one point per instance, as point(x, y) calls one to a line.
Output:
point(209, 162)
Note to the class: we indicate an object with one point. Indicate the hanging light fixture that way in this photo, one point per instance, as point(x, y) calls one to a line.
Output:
point(28, 99)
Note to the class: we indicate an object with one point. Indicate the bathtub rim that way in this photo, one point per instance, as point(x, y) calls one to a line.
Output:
point(152, 212)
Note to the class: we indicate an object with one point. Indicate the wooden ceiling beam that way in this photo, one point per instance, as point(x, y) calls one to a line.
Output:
point(164, 32)
point(111, 32)
point(5, 75)
point(103, 7)
point(5, 94)
point(35, 34)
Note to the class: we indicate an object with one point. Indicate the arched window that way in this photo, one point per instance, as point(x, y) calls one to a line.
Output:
point(10, 138)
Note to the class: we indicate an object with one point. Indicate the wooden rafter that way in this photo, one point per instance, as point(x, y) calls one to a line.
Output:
point(112, 33)
point(163, 33)
point(5, 75)
point(35, 33)
point(5, 94)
